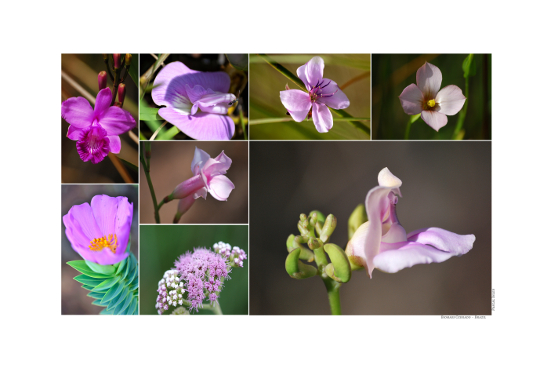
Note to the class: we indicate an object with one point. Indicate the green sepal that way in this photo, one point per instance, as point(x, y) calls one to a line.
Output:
point(113, 291)
point(296, 269)
point(82, 267)
point(357, 218)
point(87, 280)
point(414, 118)
point(340, 268)
point(103, 269)
point(107, 284)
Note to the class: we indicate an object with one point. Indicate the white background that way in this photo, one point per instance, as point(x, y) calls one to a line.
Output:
point(34, 36)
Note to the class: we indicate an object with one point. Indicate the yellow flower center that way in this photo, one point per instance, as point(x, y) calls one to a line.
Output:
point(431, 103)
point(109, 241)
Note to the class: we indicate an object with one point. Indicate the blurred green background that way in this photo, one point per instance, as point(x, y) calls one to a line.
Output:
point(392, 73)
point(162, 244)
point(350, 71)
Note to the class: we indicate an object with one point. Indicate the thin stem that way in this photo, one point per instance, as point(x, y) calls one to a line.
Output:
point(333, 290)
point(408, 130)
point(147, 169)
point(217, 309)
point(462, 115)
point(157, 131)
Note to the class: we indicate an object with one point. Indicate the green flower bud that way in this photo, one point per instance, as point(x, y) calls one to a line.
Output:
point(296, 269)
point(320, 217)
point(314, 243)
point(293, 242)
point(328, 228)
point(357, 218)
point(340, 268)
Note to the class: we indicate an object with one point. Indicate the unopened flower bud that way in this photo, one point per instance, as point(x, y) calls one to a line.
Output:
point(128, 59)
point(102, 79)
point(357, 218)
point(328, 228)
point(116, 60)
point(121, 93)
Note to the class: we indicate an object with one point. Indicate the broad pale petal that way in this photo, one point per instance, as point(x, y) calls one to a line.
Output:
point(215, 81)
point(407, 255)
point(450, 100)
point(114, 144)
point(301, 72)
point(105, 210)
point(82, 216)
point(338, 100)
point(220, 187)
point(314, 71)
point(297, 103)
point(199, 159)
point(434, 119)
point(77, 111)
point(322, 118)
point(356, 245)
point(74, 133)
point(189, 187)
point(170, 75)
point(411, 100)
point(444, 240)
point(428, 79)
point(214, 167)
point(201, 126)
point(102, 102)
point(387, 179)
point(117, 121)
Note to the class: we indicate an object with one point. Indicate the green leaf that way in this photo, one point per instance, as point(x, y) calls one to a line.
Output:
point(129, 164)
point(113, 292)
point(126, 304)
point(133, 308)
point(104, 269)
point(119, 298)
point(134, 69)
point(284, 71)
point(130, 265)
point(119, 303)
point(134, 285)
point(120, 265)
point(96, 295)
point(88, 287)
point(87, 280)
point(107, 284)
point(169, 134)
point(106, 312)
point(469, 66)
point(132, 275)
point(83, 268)
point(149, 113)
point(99, 303)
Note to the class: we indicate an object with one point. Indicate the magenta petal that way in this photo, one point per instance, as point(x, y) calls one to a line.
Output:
point(408, 255)
point(123, 224)
point(77, 111)
point(102, 102)
point(220, 187)
point(296, 102)
point(434, 119)
point(202, 125)
point(322, 118)
point(170, 75)
point(411, 100)
point(428, 79)
point(85, 225)
point(443, 240)
point(114, 144)
point(450, 100)
point(74, 133)
point(117, 121)
point(105, 209)
point(314, 70)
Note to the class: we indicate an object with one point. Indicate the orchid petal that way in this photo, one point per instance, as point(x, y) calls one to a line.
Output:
point(200, 157)
point(74, 133)
point(202, 126)
point(408, 255)
point(322, 118)
point(220, 187)
point(168, 82)
point(114, 144)
point(450, 100)
point(78, 112)
point(102, 102)
point(117, 121)
point(189, 186)
point(443, 240)
point(434, 119)
point(411, 100)
point(297, 103)
point(428, 79)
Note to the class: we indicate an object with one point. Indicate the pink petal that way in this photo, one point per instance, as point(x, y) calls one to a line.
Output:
point(314, 70)
point(123, 223)
point(428, 79)
point(408, 255)
point(74, 133)
point(434, 119)
point(356, 245)
point(189, 187)
point(202, 125)
point(77, 111)
point(185, 204)
point(114, 144)
point(338, 100)
point(322, 118)
point(86, 226)
point(450, 100)
point(214, 167)
point(199, 159)
point(411, 100)
point(170, 76)
point(301, 72)
point(102, 102)
point(443, 240)
point(220, 187)
point(117, 121)
point(105, 212)
point(297, 103)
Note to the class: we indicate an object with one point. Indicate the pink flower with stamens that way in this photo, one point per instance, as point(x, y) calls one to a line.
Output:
point(321, 94)
point(425, 97)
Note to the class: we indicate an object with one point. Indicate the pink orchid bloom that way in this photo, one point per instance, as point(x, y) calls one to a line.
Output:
point(184, 91)
point(383, 243)
point(426, 98)
point(321, 92)
point(209, 178)
point(96, 130)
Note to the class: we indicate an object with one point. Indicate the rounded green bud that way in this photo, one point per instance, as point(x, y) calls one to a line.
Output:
point(293, 242)
point(328, 228)
point(320, 217)
point(314, 243)
point(357, 218)
point(127, 59)
point(340, 266)
point(296, 269)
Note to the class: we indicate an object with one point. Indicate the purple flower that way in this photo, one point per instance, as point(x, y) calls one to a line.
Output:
point(426, 98)
point(382, 242)
point(96, 130)
point(184, 91)
point(209, 178)
point(100, 232)
point(321, 92)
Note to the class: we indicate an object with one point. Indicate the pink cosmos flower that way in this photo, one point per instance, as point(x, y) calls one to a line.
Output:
point(100, 232)
point(426, 98)
point(96, 130)
point(209, 178)
point(322, 92)
point(382, 242)
point(184, 91)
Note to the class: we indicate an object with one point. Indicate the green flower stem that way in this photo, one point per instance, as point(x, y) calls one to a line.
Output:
point(408, 130)
point(216, 309)
point(462, 114)
point(320, 257)
point(333, 290)
point(147, 169)
point(282, 120)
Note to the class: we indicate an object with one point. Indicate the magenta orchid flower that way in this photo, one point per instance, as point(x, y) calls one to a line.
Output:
point(184, 91)
point(383, 243)
point(96, 130)
point(321, 92)
point(425, 97)
point(100, 232)
point(209, 178)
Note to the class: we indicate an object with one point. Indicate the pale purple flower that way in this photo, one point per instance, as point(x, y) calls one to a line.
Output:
point(321, 92)
point(426, 98)
point(96, 130)
point(383, 243)
point(184, 91)
point(209, 178)
point(100, 232)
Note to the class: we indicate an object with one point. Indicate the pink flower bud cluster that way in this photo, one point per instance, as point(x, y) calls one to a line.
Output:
point(236, 256)
point(170, 291)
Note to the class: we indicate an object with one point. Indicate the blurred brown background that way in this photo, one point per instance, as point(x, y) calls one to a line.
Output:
point(74, 299)
point(445, 184)
point(171, 165)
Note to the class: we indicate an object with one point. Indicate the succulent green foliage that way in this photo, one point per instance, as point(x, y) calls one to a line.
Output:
point(114, 287)
point(339, 269)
